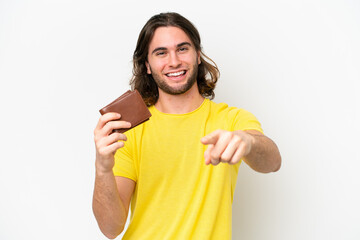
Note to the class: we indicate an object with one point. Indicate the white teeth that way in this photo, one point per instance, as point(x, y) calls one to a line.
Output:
point(175, 74)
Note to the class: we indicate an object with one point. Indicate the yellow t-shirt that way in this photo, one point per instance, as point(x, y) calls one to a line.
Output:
point(177, 196)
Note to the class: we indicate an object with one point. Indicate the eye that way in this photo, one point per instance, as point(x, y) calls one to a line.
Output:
point(160, 53)
point(183, 49)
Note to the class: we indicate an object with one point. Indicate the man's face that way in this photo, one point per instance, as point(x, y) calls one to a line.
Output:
point(172, 60)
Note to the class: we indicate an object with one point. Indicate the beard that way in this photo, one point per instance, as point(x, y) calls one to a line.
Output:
point(164, 86)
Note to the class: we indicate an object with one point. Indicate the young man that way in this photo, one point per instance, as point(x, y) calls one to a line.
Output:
point(178, 169)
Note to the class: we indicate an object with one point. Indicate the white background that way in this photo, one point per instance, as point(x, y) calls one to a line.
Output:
point(294, 64)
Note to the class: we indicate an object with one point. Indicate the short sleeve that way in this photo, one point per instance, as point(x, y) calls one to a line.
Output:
point(245, 120)
point(124, 159)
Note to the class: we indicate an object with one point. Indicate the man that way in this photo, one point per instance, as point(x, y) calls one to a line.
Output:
point(179, 168)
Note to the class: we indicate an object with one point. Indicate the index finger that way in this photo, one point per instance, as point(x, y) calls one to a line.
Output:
point(211, 138)
point(107, 117)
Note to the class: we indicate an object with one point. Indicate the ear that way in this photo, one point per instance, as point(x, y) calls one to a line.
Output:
point(148, 67)
point(198, 57)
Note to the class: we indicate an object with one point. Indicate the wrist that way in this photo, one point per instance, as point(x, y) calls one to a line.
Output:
point(103, 172)
point(101, 169)
point(252, 141)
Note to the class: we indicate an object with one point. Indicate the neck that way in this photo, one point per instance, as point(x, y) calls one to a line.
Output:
point(179, 104)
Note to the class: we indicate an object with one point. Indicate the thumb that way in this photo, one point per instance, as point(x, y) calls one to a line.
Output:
point(211, 138)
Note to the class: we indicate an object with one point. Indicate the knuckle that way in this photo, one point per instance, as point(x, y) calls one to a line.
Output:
point(225, 158)
point(120, 144)
point(103, 119)
point(234, 161)
point(246, 145)
point(237, 139)
point(102, 151)
point(124, 138)
point(120, 136)
point(116, 135)
point(227, 135)
point(217, 132)
point(109, 126)
point(214, 156)
point(97, 140)
point(215, 163)
point(96, 135)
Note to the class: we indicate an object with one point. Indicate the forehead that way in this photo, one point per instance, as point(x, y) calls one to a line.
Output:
point(168, 37)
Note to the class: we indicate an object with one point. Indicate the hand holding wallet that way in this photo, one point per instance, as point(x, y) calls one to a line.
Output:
point(131, 107)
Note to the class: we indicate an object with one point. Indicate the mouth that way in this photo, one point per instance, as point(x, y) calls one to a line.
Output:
point(176, 74)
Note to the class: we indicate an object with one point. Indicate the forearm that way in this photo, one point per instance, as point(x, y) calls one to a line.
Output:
point(264, 156)
point(108, 208)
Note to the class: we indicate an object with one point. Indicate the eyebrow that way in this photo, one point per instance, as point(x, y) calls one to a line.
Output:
point(164, 48)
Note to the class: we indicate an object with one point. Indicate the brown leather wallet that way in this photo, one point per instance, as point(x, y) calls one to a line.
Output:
point(132, 108)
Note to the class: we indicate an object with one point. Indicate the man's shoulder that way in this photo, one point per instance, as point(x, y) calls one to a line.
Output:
point(224, 108)
point(235, 118)
point(225, 112)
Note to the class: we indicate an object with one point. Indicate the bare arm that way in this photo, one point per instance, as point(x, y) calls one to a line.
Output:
point(257, 150)
point(111, 202)
point(264, 155)
point(112, 194)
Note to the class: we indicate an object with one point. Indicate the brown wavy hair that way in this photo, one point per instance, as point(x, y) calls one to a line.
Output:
point(208, 72)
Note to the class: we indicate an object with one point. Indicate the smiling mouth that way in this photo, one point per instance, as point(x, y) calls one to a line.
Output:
point(176, 74)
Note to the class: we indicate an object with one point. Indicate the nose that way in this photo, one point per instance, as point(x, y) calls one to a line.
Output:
point(174, 60)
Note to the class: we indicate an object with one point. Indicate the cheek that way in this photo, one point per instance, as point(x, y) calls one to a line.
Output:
point(193, 60)
point(157, 66)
